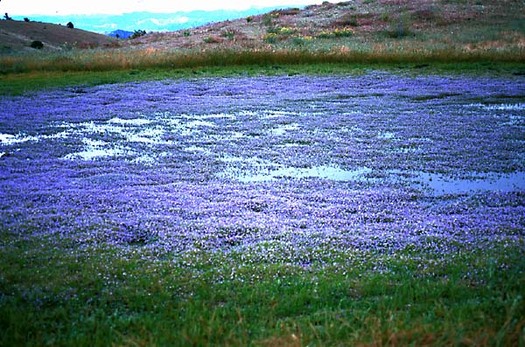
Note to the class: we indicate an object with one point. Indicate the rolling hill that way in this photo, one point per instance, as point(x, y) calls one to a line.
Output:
point(460, 25)
point(17, 36)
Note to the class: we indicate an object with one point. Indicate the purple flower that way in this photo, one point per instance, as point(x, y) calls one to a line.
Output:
point(285, 169)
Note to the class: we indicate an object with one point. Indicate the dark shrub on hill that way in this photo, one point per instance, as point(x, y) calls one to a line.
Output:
point(37, 44)
point(399, 31)
point(70, 25)
point(347, 19)
point(138, 33)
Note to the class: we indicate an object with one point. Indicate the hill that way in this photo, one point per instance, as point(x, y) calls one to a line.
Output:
point(16, 36)
point(364, 25)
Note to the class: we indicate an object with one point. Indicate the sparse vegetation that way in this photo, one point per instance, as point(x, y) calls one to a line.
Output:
point(347, 19)
point(212, 39)
point(228, 34)
point(335, 33)
point(271, 38)
point(288, 12)
point(267, 19)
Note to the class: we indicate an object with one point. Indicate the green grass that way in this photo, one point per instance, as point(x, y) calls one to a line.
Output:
point(110, 60)
point(23, 73)
point(54, 293)
point(228, 64)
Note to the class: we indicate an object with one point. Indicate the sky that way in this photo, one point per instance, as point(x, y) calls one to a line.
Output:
point(68, 7)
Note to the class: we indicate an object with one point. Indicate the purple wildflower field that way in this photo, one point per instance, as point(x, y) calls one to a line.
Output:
point(283, 169)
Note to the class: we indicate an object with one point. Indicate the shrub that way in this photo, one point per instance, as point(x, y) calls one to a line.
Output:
point(138, 33)
point(267, 20)
point(70, 25)
point(400, 30)
point(288, 12)
point(328, 5)
point(335, 33)
point(273, 30)
point(229, 34)
point(348, 19)
point(271, 38)
point(26, 19)
point(286, 31)
point(299, 41)
point(426, 14)
point(37, 44)
point(212, 39)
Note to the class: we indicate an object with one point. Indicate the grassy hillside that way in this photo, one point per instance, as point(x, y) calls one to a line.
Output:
point(366, 25)
point(17, 36)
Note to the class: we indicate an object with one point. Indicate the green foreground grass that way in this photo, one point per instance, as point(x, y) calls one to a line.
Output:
point(21, 74)
point(54, 293)
point(21, 83)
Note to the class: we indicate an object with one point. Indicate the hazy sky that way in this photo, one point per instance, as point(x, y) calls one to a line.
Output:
point(65, 7)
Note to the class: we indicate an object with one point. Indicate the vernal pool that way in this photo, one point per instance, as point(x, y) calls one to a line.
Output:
point(321, 172)
point(488, 182)
point(378, 161)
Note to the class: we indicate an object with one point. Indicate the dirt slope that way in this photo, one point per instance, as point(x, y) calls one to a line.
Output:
point(17, 36)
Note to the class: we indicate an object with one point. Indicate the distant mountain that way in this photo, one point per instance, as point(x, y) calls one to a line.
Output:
point(150, 22)
point(121, 34)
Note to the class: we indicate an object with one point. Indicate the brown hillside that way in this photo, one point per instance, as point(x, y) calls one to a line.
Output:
point(461, 25)
point(17, 36)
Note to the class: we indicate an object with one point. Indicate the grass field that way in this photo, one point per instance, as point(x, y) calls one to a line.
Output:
point(100, 297)
point(218, 65)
